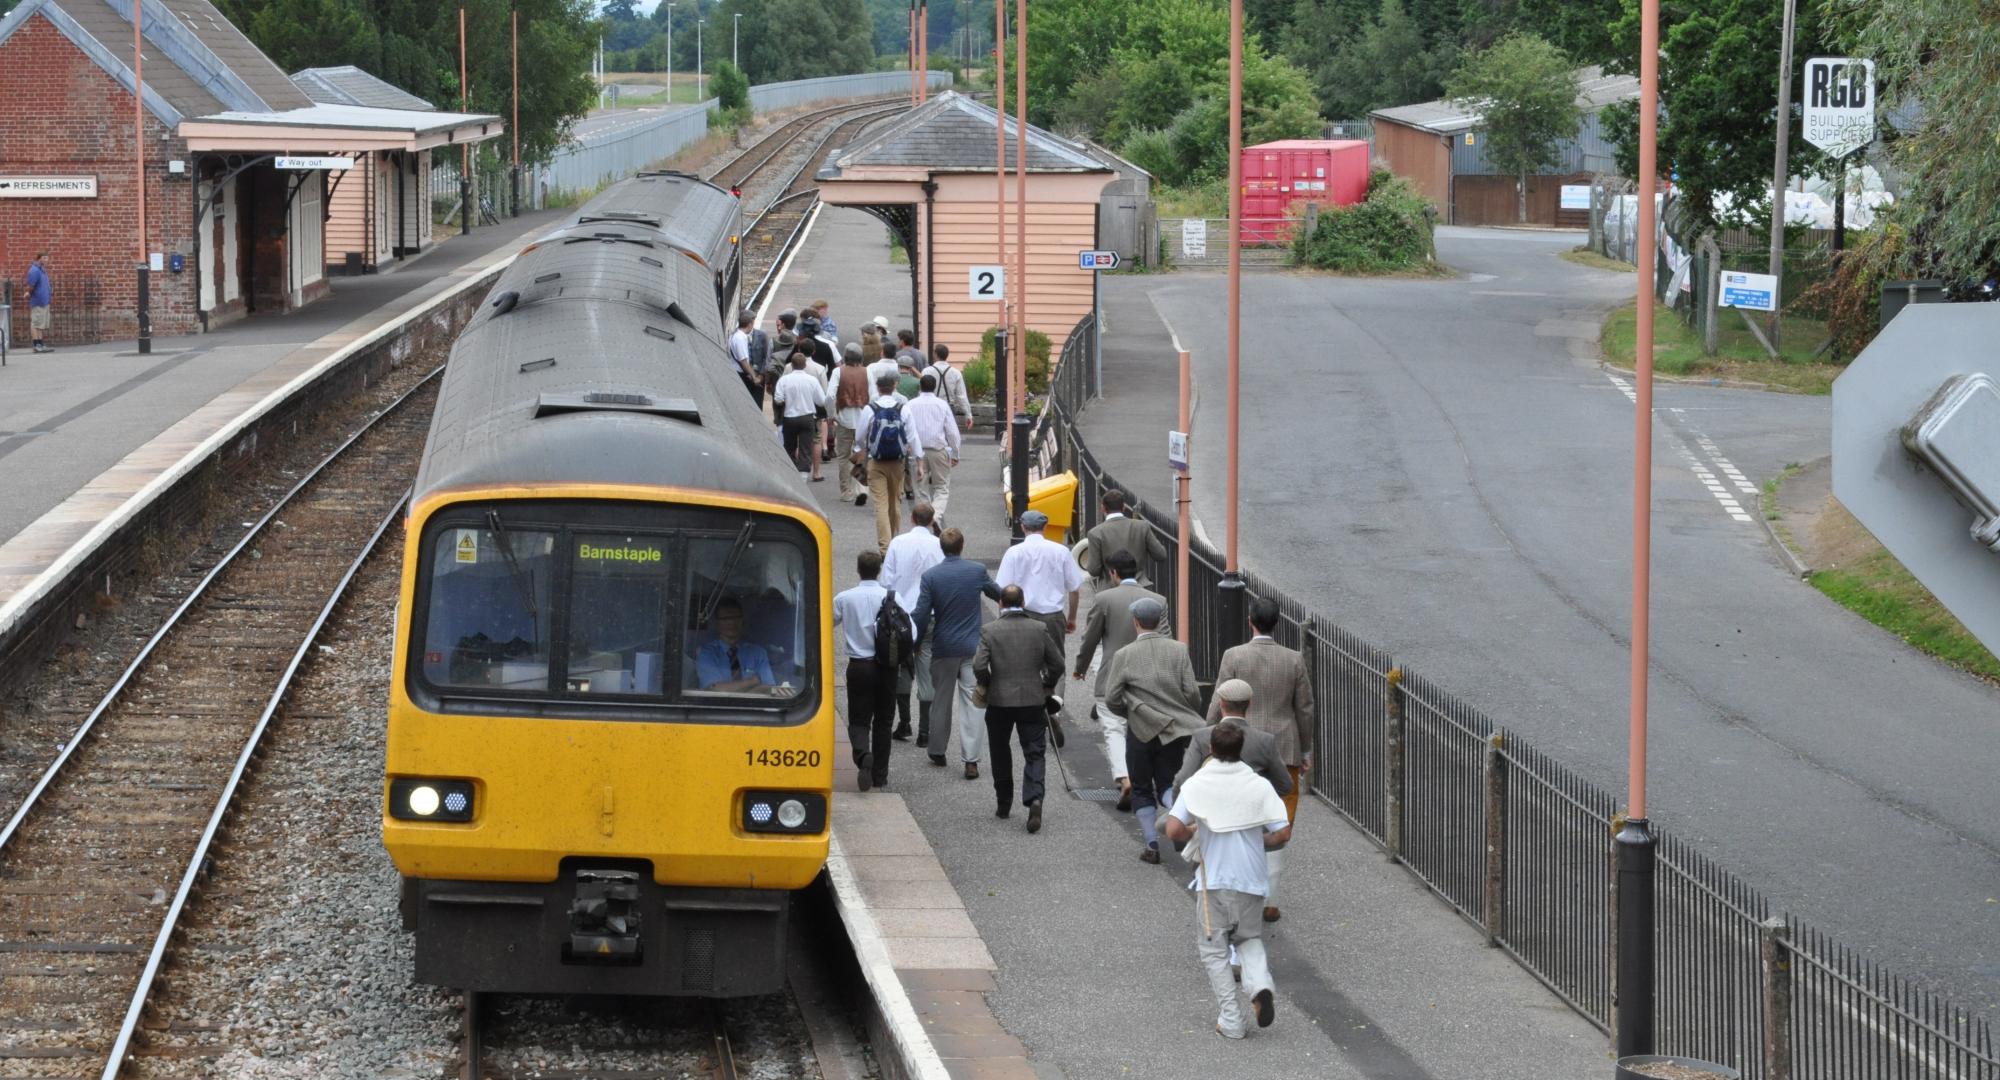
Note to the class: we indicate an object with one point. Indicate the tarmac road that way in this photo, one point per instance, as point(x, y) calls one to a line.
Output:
point(1441, 467)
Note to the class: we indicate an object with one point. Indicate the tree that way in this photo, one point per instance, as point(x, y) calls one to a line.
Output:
point(1934, 65)
point(1526, 89)
point(731, 88)
point(1718, 100)
point(1386, 64)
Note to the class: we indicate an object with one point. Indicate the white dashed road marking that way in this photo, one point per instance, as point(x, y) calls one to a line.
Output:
point(1700, 468)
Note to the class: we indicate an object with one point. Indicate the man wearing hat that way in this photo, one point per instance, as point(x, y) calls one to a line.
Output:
point(1260, 750)
point(1281, 705)
point(1047, 574)
point(1110, 624)
point(1019, 666)
point(1152, 685)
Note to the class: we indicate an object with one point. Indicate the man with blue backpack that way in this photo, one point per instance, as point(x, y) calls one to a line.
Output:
point(886, 444)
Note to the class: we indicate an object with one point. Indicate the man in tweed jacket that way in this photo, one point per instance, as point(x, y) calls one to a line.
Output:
point(1120, 532)
point(1281, 703)
point(1110, 624)
point(1019, 664)
point(1152, 685)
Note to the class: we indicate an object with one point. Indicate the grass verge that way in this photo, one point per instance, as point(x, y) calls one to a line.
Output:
point(1586, 257)
point(1677, 351)
point(1878, 588)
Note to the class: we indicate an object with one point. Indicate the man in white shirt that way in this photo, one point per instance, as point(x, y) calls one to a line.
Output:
point(951, 384)
point(937, 429)
point(1046, 573)
point(1235, 816)
point(903, 567)
point(799, 397)
point(885, 456)
point(739, 355)
point(886, 366)
point(869, 687)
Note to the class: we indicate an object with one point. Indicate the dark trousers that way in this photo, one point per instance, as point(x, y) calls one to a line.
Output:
point(1153, 765)
point(1057, 623)
point(1032, 723)
point(870, 708)
point(755, 387)
point(802, 441)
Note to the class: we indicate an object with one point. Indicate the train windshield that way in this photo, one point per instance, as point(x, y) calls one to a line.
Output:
point(694, 607)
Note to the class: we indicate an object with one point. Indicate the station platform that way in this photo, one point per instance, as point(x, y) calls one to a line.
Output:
point(995, 953)
point(86, 428)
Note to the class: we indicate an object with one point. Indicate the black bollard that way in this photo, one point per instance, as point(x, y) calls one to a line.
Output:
point(1000, 395)
point(145, 309)
point(1017, 472)
point(1635, 865)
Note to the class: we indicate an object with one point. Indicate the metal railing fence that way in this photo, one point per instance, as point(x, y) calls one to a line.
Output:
point(1521, 846)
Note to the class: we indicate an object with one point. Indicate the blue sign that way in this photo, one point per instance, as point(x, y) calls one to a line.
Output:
point(1752, 292)
point(1097, 260)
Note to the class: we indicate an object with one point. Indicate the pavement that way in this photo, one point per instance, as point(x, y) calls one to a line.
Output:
point(1084, 956)
point(67, 416)
point(1443, 468)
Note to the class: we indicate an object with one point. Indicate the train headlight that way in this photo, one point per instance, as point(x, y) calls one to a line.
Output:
point(791, 813)
point(797, 812)
point(423, 799)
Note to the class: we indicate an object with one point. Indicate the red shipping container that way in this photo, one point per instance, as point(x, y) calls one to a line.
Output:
point(1279, 176)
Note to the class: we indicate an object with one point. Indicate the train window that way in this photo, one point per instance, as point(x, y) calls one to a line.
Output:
point(489, 622)
point(754, 640)
point(617, 613)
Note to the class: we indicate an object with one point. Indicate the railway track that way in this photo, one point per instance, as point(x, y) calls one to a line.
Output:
point(771, 234)
point(503, 1038)
point(101, 858)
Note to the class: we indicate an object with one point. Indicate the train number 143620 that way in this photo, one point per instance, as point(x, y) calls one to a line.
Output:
point(783, 759)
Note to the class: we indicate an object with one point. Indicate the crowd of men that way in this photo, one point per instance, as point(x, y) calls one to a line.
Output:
point(1221, 777)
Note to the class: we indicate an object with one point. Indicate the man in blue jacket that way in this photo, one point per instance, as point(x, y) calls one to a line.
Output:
point(948, 616)
point(38, 303)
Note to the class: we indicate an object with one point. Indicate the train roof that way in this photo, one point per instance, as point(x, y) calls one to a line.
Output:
point(599, 357)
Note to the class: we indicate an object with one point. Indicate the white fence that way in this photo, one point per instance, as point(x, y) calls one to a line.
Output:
point(771, 97)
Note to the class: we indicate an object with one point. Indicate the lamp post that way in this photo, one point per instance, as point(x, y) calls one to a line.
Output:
point(139, 145)
point(700, 76)
point(514, 17)
point(670, 54)
point(1233, 595)
point(735, 29)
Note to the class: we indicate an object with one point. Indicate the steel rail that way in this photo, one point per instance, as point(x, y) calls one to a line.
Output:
point(473, 1041)
point(725, 1052)
point(111, 696)
point(197, 862)
point(782, 138)
point(791, 238)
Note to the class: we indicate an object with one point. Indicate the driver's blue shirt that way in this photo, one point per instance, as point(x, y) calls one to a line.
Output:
point(713, 663)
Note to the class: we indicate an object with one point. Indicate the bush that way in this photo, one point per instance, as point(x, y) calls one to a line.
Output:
point(1390, 230)
point(732, 87)
point(979, 378)
point(1038, 358)
point(1850, 302)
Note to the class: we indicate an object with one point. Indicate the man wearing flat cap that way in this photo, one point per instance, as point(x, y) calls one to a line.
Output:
point(1260, 750)
point(1281, 705)
point(1047, 574)
point(1152, 685)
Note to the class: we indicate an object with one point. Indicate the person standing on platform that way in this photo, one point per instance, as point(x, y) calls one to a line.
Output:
point(749, 348)
point(937, 429)
point(1109, 623)
point(885, 366)
point(1046, 573)
point(1119, 532)
point(1281, 705)
point(951, 384)
point(1019, 666)
point(800, 398)
point(824, 314)
point(1260, 751)
point(870, 685)
point(886, 442)
point(1152, 685)
point(948, 617)
point(849, 389)
point(1235, 818)
point(903, 567)
point(906, 349)
point(39, 296)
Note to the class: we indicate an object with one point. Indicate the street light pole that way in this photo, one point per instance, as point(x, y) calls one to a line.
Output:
point(670, 54)
point(1020, 287)
point(700, 73)
point(735, 31)
point(465, 149)
point(145, 297)
point(923, 51)
point(1634, 843)
point(1232, 601)
point(1003, 389)
point(1780, 171)
point(514, 18)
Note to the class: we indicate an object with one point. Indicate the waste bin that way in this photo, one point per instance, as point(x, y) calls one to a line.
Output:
point(1056, 497)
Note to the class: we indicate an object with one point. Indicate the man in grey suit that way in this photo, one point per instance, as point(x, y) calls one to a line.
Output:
point(1019, 664)
point(1260, 750)
point(1281, 705)
point(1110, 624)
point(1120, 532)
point(1152, 685)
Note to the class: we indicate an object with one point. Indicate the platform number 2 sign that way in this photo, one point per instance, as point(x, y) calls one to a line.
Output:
point(986, 282)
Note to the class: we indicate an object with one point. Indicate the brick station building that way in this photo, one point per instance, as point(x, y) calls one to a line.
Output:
point(233, 232)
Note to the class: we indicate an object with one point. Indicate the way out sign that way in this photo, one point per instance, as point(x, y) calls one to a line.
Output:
point(1752, 292)
point(986, 282)
point(1839, 104)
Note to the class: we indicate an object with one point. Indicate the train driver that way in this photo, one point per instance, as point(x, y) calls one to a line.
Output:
point(729, 664)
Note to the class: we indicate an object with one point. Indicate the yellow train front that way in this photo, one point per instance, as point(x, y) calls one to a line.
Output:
point(610, 744)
